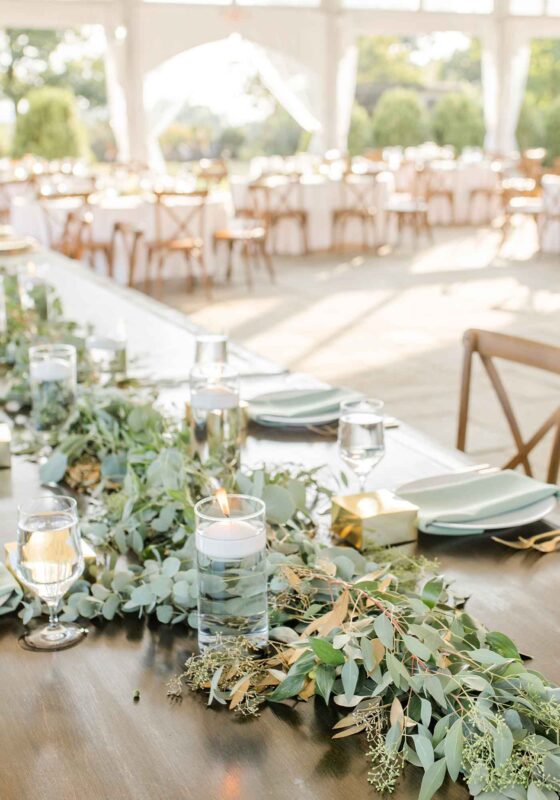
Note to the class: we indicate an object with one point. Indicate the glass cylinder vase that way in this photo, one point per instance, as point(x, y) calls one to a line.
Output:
point(231, 569)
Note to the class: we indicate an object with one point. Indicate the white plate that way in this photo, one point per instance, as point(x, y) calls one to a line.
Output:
point(329, 418)
point(511, 519)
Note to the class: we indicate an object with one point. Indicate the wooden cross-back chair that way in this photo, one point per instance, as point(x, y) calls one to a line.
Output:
point(410, 209)
point(59, 213)
point(358, 202)
point(277, 199)
point(489, 345)
point(78, 242)
point(434, 185)
point(179, 228)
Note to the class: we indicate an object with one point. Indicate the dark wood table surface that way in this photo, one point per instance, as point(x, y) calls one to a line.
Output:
point(69, 727)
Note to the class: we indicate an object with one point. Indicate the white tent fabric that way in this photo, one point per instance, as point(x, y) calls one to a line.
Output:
point(505, 67)
point(167, 88)
point(115, 73)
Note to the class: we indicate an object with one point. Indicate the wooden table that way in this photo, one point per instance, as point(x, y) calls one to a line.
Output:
point(70, 728)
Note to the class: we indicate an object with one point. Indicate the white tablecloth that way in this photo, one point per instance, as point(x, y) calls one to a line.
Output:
point(319, 197)
point(28, 218)
point(550, 231)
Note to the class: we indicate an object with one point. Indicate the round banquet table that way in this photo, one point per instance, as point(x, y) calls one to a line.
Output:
point(28, 218)
point(320, 196)
point(550, 230)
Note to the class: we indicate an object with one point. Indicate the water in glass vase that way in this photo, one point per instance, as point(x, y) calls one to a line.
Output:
point(232, 598)
point(49, 561)
point(215, 422)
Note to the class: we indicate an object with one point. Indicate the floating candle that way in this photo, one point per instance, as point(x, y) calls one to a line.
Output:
point(51, 370)
point(230, 539)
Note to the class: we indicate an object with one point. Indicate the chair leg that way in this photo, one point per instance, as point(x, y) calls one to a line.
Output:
point(206, 278)
point(304, 238)
point(247, 265)
point(229, 270)
point(190, 277)
point(267, 260)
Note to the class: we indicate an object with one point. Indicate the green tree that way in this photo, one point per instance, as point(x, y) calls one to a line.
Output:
point(463, 66)
point(384, 62)
point(50, 126)
point(530, 128)
point(399, 119)
point(552, 129)
point(359, 135)
point(457, 119)
point(544, 71)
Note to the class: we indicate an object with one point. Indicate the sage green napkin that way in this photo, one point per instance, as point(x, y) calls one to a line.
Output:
point(474, 499)
point(293, 403)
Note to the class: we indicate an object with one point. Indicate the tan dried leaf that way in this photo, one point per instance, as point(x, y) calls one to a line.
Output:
point(350, 731)
point(240, 690)
point(332, 619)
point(396, 715)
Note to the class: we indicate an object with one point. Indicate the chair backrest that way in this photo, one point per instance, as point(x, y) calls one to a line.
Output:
point(56, 211)
point(359, 192)
point(490, 345)
point(179, 215)
point(129, 237)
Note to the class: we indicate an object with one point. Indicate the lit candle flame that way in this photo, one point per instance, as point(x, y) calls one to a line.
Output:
point(222, 498)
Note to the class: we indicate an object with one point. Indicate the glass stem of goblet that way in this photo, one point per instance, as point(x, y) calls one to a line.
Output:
point(362, 480)
point(53, 615)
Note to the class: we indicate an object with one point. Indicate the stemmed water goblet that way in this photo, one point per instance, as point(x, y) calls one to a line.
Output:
point(49, 561)
point(361, 436)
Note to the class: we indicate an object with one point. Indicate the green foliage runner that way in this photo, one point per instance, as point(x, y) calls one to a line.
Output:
point(375, 632)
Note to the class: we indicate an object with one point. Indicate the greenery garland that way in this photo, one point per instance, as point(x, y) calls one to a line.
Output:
point(373, 632)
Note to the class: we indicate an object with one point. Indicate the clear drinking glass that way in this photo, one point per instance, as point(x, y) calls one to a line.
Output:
point(33, 292)
point(361, 436)
point(48, 561)
point(107, 357)
point(53, 381)
point(231, 569)
point(211, 348)
point(214, 413)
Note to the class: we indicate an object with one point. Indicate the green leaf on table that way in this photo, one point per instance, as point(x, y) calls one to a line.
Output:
point(325, 677)
point(170, 566)
point(349, 675)
point(280, 505)
point(384, 630)
point(114, 467)
point(453, 749)
point(53, 470)
point(417, 648)
point(325, 652)
point(424, 750)
point(503, 744)
point(290, 687)
point(431, 592)
point(432, 780)
point(164, 613)
point(486, 657)
point(503, 645)
point(433, 686)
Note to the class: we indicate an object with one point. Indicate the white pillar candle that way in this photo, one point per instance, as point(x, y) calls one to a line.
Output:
point(230, 539)
point(214, 397)
point(106, 343)
point(51, 370)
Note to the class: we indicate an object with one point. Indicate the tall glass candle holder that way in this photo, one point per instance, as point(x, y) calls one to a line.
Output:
point(214, 415)
point(52, 378)
point(231, 569)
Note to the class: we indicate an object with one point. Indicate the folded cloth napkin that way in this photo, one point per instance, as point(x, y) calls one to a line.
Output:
point(475, 498)
point(293, 403)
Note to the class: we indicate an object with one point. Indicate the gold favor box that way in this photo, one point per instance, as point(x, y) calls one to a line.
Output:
point(374, 518)
point(10, 556)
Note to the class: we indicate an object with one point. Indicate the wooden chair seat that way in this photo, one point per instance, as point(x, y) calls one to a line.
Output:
point(240, 234)
point(539, 355)
point(403, 203)
point(249, 236)
point(186, 244)
point(361, 213)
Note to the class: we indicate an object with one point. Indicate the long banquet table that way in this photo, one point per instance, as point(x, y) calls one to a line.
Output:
point(70, 728)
